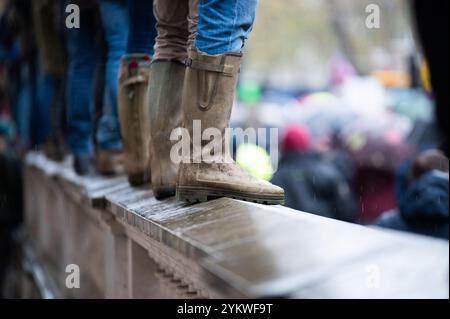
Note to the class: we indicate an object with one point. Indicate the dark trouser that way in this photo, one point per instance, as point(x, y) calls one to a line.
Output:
point(142, 27)
point(176, 25)
point(53, 62)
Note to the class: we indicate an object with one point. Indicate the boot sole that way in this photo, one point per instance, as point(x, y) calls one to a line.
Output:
point(203, 194)
point(164, 192)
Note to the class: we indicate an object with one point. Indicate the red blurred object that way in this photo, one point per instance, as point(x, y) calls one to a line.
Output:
point(376, 193)
point(377, 156)
point(134, 64)
point(296, 138)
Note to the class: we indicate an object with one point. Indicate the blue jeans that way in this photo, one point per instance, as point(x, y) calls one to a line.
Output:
point(83, 54)
point(115, 20)
point(142, 27)
point(23, 105)
point(224, 25)
point(33, 103)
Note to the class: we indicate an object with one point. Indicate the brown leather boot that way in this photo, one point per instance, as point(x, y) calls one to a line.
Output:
point(166, 87)
point(134, 116)
point(208, 96)
point(109, 163)
point(54, 149)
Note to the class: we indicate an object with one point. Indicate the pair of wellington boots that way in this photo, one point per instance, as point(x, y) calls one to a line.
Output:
point(203, 90)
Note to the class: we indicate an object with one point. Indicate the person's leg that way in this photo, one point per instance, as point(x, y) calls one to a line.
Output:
point(53, 64)
point(114, 17)
point(41, 114)
point(142, 33)
point(23, 109)
point(224, 25)
point(99, 82)
point(115, 21)
point(176, 24)
point(54, 147)
point(208, 95)
point(82, 56)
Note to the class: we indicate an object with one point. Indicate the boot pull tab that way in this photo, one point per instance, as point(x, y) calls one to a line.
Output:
point(135, 80)
point(208, 78)
point(222, 68)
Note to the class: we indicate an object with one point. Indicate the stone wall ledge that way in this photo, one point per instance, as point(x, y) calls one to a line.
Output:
point(130, 245)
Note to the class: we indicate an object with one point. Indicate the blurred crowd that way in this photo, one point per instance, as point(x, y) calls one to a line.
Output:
point(366, 149)
point(370, 149)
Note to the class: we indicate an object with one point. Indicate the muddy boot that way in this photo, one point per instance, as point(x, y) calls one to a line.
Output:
point(208, 96)
point(165, 93)
point(134, 116)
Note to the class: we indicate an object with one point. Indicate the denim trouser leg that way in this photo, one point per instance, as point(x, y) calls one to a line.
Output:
point(224, 25)
point(23, 111)
point(114, 15)
point(81, 49)
point(33, 105)
point(142, 27)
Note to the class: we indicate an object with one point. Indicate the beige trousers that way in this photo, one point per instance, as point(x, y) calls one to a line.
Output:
point(176, 26)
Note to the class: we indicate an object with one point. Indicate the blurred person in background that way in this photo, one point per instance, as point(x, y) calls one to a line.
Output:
point(18, 40)
point(312, 184)
point(48, 22)
point(84, 46)
point(115, 21)
point(423, 208)
point(83, 49)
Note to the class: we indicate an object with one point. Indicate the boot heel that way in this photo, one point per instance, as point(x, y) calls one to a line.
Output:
point(163, 192)
point(191, 195)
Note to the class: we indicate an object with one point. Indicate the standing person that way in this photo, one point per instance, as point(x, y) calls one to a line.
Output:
point(211, 49)
point(115, 21)
point(423, 208)
point(85, 53)
point(312, 184)
point(133, 91)
point(53, 70)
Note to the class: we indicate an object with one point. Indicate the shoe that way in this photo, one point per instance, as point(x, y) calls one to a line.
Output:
point(165, 115)
point(208, 96)
point(109, 163)
point(83, 165)
point(53, 148)
point(134, 116)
